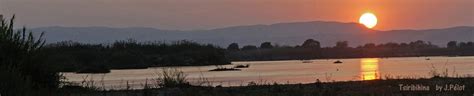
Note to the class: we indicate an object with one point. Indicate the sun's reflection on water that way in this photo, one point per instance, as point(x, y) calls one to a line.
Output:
point(369, 68)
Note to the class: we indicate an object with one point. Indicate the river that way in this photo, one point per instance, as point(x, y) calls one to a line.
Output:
point(291, 71)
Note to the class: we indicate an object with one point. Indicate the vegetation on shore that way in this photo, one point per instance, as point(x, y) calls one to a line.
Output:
point(311, 49)
point(100, 58)
point(72, 56)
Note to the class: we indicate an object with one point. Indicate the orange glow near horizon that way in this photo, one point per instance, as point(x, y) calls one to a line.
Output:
point(368, 19)
point(369, 69)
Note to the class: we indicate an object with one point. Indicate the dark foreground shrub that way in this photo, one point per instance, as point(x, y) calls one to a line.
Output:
point(21, 69)
point(170, 78)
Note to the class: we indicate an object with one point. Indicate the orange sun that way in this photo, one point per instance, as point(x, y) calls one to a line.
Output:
point(368, 19)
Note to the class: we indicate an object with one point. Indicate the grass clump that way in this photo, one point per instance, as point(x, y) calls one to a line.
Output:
point(170, 78)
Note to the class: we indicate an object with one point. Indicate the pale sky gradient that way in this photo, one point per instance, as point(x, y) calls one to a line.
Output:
point(209, 14)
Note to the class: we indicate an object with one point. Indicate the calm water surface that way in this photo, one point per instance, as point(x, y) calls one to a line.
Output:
point(293, 71)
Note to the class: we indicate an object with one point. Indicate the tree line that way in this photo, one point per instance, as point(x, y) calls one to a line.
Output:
point(311, 49)
point(71, 56)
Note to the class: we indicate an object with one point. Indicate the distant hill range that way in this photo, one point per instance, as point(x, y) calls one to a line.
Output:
point(328, 33)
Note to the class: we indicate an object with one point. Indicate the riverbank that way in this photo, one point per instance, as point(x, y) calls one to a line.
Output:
point(438, 86)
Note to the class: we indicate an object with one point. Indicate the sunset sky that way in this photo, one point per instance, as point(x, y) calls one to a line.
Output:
point(209, 14)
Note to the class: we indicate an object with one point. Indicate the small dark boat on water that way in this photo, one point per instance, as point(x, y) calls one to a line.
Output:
point(427, 59)
point(221, 68)
point(307, 61)
point(225, 69)
point(337, 62)
point(242, 66)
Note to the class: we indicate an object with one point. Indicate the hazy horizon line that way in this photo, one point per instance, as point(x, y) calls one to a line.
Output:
point(247, 25)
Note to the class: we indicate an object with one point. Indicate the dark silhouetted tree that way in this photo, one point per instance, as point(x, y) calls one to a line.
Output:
point(233, 47)
point(310, 43)
point(470, 44)
point(452, 44)
point(266, 45)
point(342, 44)
point(419, 44)
point(369, 45)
